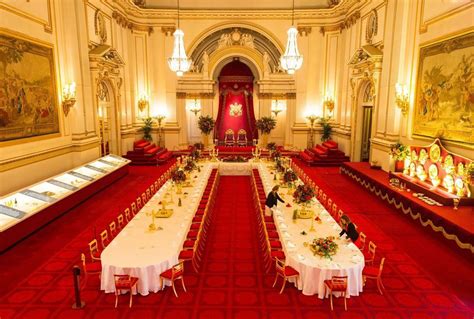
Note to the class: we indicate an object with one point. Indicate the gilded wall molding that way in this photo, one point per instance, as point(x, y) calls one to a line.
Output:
point(125, 23)
point(304, 31)
point(131, 10)
point(47, 24)
point(425, 23)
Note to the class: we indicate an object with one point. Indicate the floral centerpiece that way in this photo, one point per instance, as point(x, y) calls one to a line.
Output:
point(303, 194)
point(276, 155)
point(195, 154)
point(325, 247)
point(178, 176)
point(190, 166)
point(279, 166)
point(235, 159)
point(289, 176)
point(271, 146)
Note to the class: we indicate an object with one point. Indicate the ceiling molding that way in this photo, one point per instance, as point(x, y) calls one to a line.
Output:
point(158, 15)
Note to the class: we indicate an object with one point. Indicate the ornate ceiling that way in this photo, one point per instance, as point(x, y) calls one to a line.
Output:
point(236, 5)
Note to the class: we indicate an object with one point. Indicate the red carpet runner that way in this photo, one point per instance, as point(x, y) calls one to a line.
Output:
point(231, 283)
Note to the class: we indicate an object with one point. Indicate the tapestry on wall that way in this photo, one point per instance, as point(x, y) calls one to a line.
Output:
point(28, 102)
point(444, 104)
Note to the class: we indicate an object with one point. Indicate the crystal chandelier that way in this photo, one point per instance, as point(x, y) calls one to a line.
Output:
point(291, 60)
point(179, 62)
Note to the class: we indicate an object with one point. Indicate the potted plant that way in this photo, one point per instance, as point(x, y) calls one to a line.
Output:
point(206, 125)
point(327, 129)
point(147, 126)
point(399, 152)
point(265, 125)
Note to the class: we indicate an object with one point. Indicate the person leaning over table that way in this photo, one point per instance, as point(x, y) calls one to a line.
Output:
point(272, 200)
point(348, 228)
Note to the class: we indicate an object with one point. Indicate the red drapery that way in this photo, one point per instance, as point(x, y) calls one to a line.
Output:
point(236, 101)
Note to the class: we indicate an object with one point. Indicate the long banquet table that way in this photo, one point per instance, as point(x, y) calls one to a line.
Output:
point(313, 269)
point(143, 254)
point(140, 253)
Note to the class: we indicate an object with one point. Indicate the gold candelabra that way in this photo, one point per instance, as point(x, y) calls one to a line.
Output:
point(256, 153)
point(214, 154)
point(312, 119)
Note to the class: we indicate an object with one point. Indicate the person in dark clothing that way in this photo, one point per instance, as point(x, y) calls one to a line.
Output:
point(348, 228)
point(272, 199)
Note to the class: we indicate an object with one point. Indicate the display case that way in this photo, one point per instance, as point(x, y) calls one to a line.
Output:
point(24, 211)
point(437, 173)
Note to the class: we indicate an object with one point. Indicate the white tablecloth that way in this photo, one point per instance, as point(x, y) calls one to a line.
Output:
point(144, 254)
point(235, 168)
point(348, 261)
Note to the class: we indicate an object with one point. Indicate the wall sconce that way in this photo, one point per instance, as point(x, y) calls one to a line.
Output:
point(69, 97)
point(277, 106)
point(195, 107)
point(329, 103)
point(143, 102)
point(402, 98)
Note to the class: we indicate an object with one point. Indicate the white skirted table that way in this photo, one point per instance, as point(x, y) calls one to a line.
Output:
point(314, 269)
point(145, 254)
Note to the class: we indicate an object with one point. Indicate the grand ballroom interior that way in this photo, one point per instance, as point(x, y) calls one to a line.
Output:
point(237, 159)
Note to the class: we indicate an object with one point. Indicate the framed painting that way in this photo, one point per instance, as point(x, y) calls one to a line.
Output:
point(444, 105)
point(28, 95)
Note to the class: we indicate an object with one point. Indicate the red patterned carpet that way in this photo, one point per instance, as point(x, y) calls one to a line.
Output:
point(231, 283)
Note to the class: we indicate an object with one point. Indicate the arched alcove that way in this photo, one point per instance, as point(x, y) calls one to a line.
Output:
point(235, 122)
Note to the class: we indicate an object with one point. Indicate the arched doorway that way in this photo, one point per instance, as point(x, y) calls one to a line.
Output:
point(236, 116)
point(108, 130)
point(365, 107)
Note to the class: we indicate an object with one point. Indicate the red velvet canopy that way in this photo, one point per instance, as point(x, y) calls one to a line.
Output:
point(236, 101)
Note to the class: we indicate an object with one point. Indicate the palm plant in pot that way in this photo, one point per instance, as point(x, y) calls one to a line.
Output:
point(206, 125)
point(147, 127)
point(265, 125)
point(327, 129)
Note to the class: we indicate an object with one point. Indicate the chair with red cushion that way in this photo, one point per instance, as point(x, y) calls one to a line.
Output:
point(174, 273)
point(125, 282)
point(94, 249)
point(336, 284)
point(285, 272)
point(93, 268)
point(369, 255)
point(372, 272)
point(360, 243)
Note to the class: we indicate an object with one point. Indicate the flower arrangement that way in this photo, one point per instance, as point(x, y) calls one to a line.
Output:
point(178, 176)
point(195, 154)
point(271, 146)
point(190, 166)
point(289, 176)
point(265, 124)
point(235, 159)
point(279, 165)
point(206, 124)
point(399, 151)
point(276, 155)
point(303, 194)
point(199, 146)
point(325, 247)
